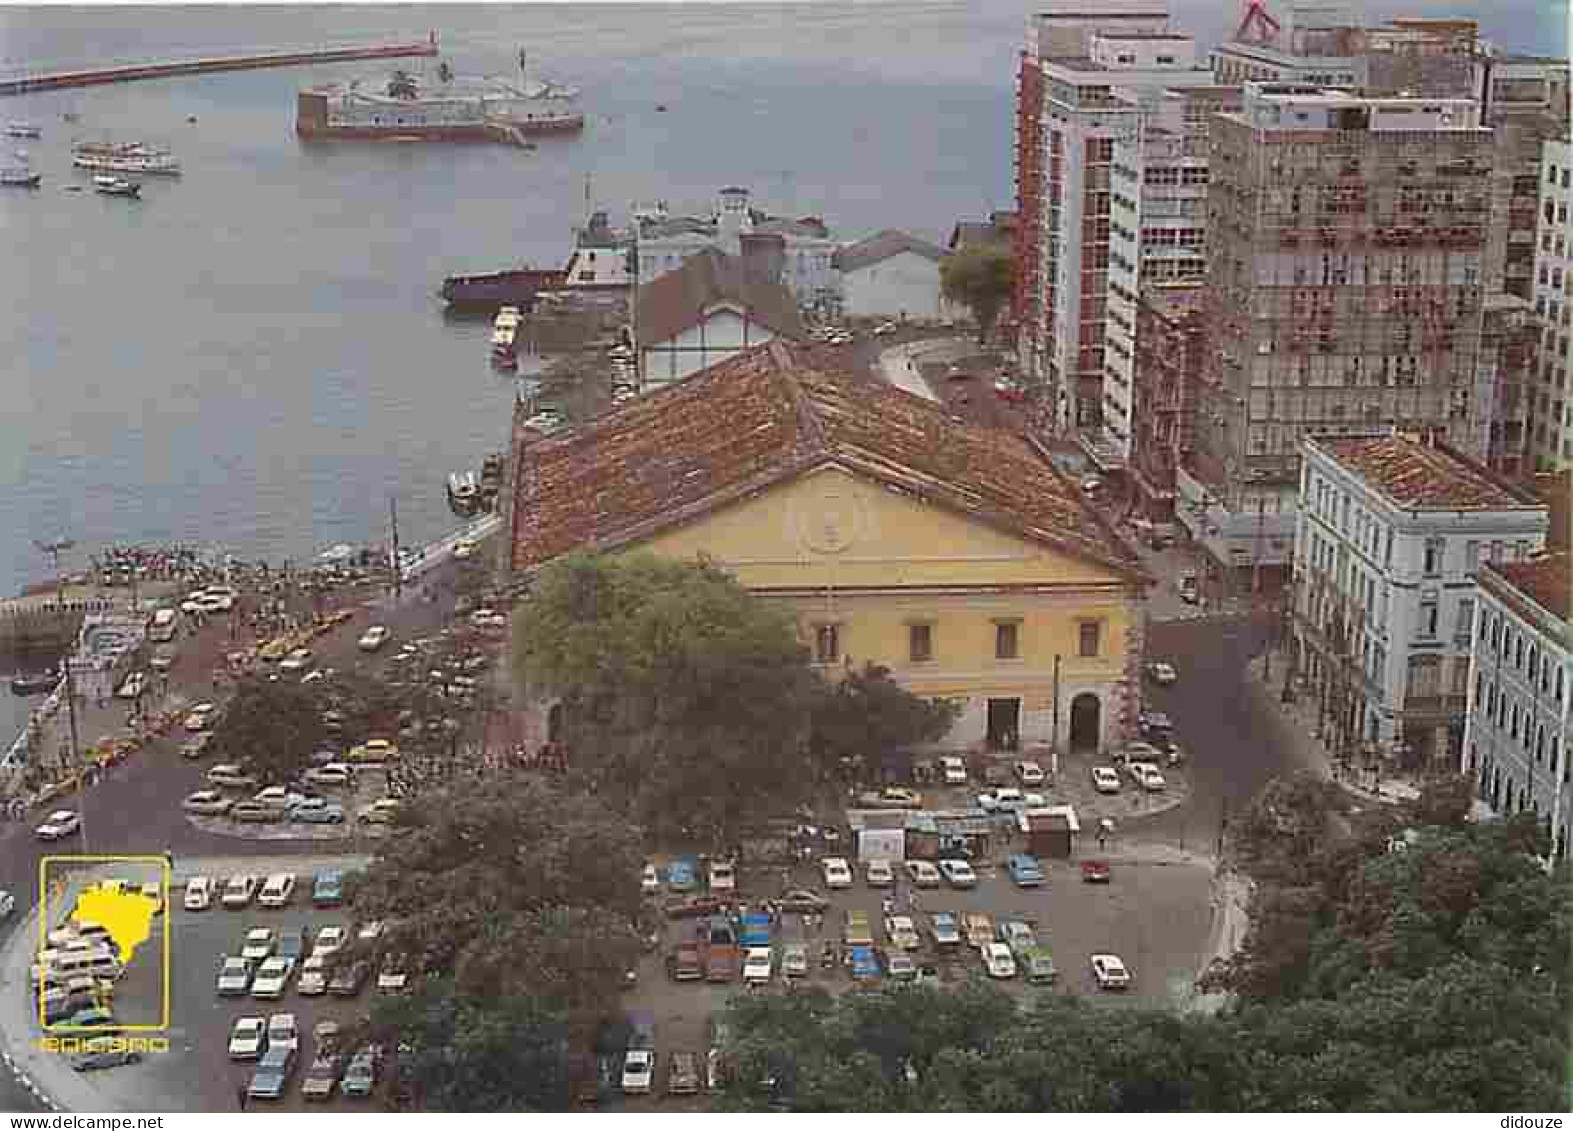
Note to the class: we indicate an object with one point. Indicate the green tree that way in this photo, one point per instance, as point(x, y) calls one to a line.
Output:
point(981, 279)
point(270, 729)
point(867, 714)
point(686, 700)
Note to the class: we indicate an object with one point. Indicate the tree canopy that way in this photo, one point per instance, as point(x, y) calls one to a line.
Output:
point(980, 278)
point(270, 729)
point(868, 713)
point(514, 906)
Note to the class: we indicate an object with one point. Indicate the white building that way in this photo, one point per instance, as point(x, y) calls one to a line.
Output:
point(1391, 533)
point(796, 252)
point(1097, 70)
point(705, 311)
point(891, 275)
point(1551, 395)
point(1518, 742)
point(1157, 235)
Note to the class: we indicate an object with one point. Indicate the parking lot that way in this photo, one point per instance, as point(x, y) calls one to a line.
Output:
point(1155, 915)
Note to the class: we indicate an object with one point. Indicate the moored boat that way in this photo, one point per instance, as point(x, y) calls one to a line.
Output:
point(19, 174)
point(114, 186)
point(22, 129)
point(34, 684)
point(124, 157)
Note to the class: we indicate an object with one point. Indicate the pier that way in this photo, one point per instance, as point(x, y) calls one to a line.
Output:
point(136, 72)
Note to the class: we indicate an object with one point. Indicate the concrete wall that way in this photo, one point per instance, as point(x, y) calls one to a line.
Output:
point(905, 284)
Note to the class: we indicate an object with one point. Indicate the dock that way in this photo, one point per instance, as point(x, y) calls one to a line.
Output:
point(137, 72)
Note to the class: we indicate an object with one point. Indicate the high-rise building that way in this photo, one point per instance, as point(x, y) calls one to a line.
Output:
point(1157, 232)
point(1084, 79)
point(1551, 389)
point(1344, 290)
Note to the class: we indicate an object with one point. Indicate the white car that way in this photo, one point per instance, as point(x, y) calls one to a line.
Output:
point(758, 965)
point(329, 939)
point(1163, 674)
point(998, 960)
point(60, 824)
point(283, 1032)
point(955, 771)
point(199, 893)
point(277, 797)
point(277, 890)
point(209, 802)
point(1146, 775)
point(373, 638)
point(638, 1071)
point(370, 931)
point(1110, 972)
point(923, 874)
point(220, 598)
point(1105, 780)
point(837, 874)
point(723, 876)
point(238, 891)
point(650, 882)
point(297, 661)
point(902, 932)
point(258, 944)
point(313, 980)
point(1029, 773)
point(272, 977)
point(247, 1038)
point(1010, 801)
point(879, 874)
point(379, 812)
point(200, 717)
point(335, 774)
point(195, 602)
point(231, 776)
point(958, 873)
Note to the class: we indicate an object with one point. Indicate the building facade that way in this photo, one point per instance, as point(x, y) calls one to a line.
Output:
point(1518, 742)
point(1551, 390)
point(1345, 258)
point(1170, 351)
point(891, 275)
point(955, 555)
point(1392, 531)
point(1157, 236)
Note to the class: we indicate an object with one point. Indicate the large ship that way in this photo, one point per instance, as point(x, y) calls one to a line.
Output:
point(124, 157)
point(597, 264)
point(452, 109)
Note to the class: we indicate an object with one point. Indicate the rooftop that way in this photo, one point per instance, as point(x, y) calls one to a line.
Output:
point(679, 299)
point(1547, 580)
point(764, 417)
point(882, 246)
point(1419, 476)
point(1555, 489)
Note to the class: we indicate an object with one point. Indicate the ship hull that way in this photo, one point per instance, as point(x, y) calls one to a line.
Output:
point(500, 288)
point(464, 133)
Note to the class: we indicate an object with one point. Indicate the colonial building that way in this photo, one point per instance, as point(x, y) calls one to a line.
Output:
point(705, 311)
point(891, 275)
point(1392, 531)
point(1518, 744)
point(956, 555)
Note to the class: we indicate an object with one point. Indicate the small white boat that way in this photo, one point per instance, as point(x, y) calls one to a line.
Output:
point(19, 174)
point(22, 129)
point(114, 186)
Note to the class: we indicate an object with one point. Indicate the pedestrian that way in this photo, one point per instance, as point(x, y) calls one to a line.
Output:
point(241, 1093)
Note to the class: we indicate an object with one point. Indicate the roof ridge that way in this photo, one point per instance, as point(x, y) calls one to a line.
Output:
point(784, 368)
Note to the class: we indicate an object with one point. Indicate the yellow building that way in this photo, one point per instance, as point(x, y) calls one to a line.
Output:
point(956, 555)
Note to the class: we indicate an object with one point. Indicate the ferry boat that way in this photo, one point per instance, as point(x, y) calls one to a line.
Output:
point(114, 186)
point(452, 109)
point(19, 174)
point(22, 129)
point(129, 157)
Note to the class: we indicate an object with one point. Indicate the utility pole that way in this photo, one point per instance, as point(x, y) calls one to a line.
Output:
point(1256, 547)
point(54, 550)
point(1054, 738)
point(398, 566)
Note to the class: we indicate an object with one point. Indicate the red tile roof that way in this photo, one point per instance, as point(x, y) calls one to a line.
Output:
point(1547, 580)
point(763, 417)
point(1555, 489)
point(681, 298)
point(1419, 476)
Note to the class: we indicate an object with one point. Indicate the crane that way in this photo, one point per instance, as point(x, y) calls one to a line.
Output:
point(1257, 25)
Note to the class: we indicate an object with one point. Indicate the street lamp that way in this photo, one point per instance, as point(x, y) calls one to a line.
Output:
point(54, 549)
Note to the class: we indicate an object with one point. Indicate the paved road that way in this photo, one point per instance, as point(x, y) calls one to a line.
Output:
point(136, 807)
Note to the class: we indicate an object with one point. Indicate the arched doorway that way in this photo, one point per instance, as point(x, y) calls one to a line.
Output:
point(1085, 730)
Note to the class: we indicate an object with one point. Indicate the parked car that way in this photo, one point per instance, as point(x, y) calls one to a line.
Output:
point(1017, 935)
point(838, 875)
point(899, 966)
point(196, 746)
point(271, 978)
point(1038, 964)
point(638, 1071)
point(901, 932)
point(297, 661)
point(327, 889)
point(682, 1078)
point(1105, 780)
point(316, 811)
point(199, 893)
point(879, 874)
point(103, 1052)
point(682, 875)
point(230, 776)
point(349, 980)
point(360, 1077)
point(1025, 871)
point(686, 962)
point(207, 803)
point(337, 775)
point(892, 797)
point(255, 812)
point(978, 928)
point(322, 1077)
point(247, 1037)
point(857, 930)
point(1146, 775)
point(998, 961)
point(258, 944)
point(650, 881)
point(1162, 674)
point(758, 965)
point(1110, 972)
point(958, 873)
point(238, 892)
point(1095, 871)
point(374, 751)
point(164, 657)
point(1029, 773)
point(865, 964)
point(313, 980)
point(923, 874)
point(234, 977)
point(944, 929)
point(373, 638)
point(393, 978)
point(803, 900)
point(1009, 800)
point(954, 770)
point(277, 891)
point(794, 960)
point(383, 811)
point(723, 876)
point(201, 717)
